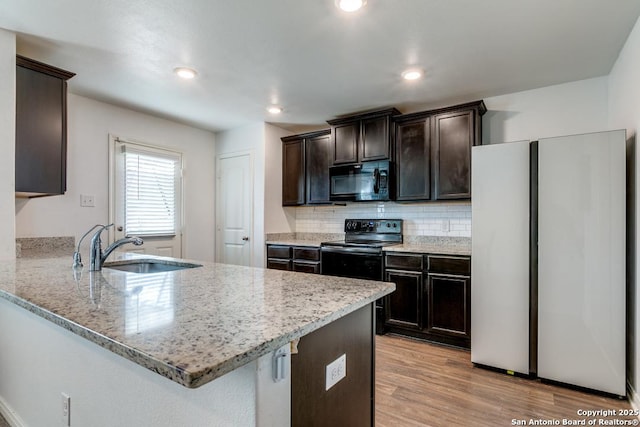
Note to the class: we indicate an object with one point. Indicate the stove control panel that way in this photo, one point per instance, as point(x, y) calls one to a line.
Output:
point(391, 226)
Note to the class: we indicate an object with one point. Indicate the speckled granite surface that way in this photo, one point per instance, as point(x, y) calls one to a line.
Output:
point(44, 246)
point(192, 325)
point(434, 245)
point(418, 244)
point(302, 239)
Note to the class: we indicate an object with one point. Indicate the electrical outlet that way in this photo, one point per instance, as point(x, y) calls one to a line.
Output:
point(336, 371)
point(445, 225)
point(87, 201)
point(66, 409)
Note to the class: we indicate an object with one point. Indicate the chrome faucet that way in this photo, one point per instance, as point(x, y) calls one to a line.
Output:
point(97, 257)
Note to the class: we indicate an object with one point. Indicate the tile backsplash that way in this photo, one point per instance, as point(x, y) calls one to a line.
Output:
point(420, 219)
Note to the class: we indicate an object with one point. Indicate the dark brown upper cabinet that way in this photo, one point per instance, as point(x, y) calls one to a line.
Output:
point(318, 161)
point(433, 152)
point(362, 137)
point(41, 128)
point(454, 133)
point(413, 159)
point(305, 168)
point(293, 171)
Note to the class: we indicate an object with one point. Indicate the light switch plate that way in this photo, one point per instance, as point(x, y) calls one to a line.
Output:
point(336, 371)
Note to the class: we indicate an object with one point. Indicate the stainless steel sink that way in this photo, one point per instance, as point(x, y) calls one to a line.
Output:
point(146, 266)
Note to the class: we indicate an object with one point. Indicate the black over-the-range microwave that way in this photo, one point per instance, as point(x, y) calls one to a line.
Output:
point(361, 182)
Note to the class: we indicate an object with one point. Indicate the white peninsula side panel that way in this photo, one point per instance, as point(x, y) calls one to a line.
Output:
point(40, 360)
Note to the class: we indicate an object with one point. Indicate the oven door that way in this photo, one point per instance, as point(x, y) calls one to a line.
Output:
point(359, 264)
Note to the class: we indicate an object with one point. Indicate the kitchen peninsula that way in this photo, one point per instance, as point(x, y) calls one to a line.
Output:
point(201, 340)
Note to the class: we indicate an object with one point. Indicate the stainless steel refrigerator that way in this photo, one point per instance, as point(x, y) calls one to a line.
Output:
point(548, 259)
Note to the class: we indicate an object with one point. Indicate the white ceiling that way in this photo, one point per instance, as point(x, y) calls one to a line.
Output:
point(314, 60)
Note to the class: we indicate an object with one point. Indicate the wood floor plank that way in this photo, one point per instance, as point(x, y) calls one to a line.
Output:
point(429, 385)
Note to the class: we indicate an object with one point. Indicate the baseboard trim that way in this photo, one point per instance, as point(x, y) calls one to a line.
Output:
point(633, 397)
point(12, 418)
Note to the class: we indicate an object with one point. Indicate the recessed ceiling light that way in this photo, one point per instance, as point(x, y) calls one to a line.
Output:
point(274, 109)
point(412, 74)
point(350, 5)
point(185, 73)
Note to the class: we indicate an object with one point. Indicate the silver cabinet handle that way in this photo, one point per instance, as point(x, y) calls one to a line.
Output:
point(245, 238)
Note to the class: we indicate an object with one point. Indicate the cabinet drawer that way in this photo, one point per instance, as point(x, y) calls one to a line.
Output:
point(279, 264)
point(449, 264)
point(277, 251)
point(307, 254)
point(403, 261)
point(306, 267)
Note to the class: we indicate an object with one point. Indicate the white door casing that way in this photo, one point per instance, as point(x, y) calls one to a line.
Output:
point(234, 208)
point(170, 246)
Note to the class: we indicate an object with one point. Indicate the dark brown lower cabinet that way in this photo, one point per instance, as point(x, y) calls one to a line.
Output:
point(404, 306)
point(306, 267)
point(448, 307)
point(350, 402)
point(279, 264)
point(432, 299)
point(305, 259)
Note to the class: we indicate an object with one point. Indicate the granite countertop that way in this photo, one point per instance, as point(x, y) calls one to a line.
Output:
point(296, 242)
point(430, 248)
point(416, 244)
point(191, 326)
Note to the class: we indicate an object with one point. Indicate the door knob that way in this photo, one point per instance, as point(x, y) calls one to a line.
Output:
point(120, 228)
point(245, 238)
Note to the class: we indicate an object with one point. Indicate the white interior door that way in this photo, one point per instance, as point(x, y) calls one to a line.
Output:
point(234, 203)
point(146, 197)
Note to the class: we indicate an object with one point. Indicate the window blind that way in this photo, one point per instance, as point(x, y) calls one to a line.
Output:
point(150, 192)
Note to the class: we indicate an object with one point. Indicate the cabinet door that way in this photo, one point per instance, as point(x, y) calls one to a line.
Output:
point(413, 152)
point(40, 133)
point(453, 138)
point(374, 143)
point(345, 142)
point(293, 173)
point(404, 305)
point(279, 264)
point(318, 158)
point(449, 305)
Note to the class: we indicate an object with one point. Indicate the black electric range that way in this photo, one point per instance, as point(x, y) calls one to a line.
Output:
point(360, 255)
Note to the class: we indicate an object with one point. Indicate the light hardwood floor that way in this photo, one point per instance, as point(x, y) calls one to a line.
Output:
point(422, 384)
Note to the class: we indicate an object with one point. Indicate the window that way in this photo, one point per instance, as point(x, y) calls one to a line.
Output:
point(148, 182)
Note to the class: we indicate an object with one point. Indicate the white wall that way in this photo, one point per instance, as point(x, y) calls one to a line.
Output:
point(89, 124)
point(624, 113)
point(250, 138)
point(7, 143)
point(565, 109)
point(277, 219)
